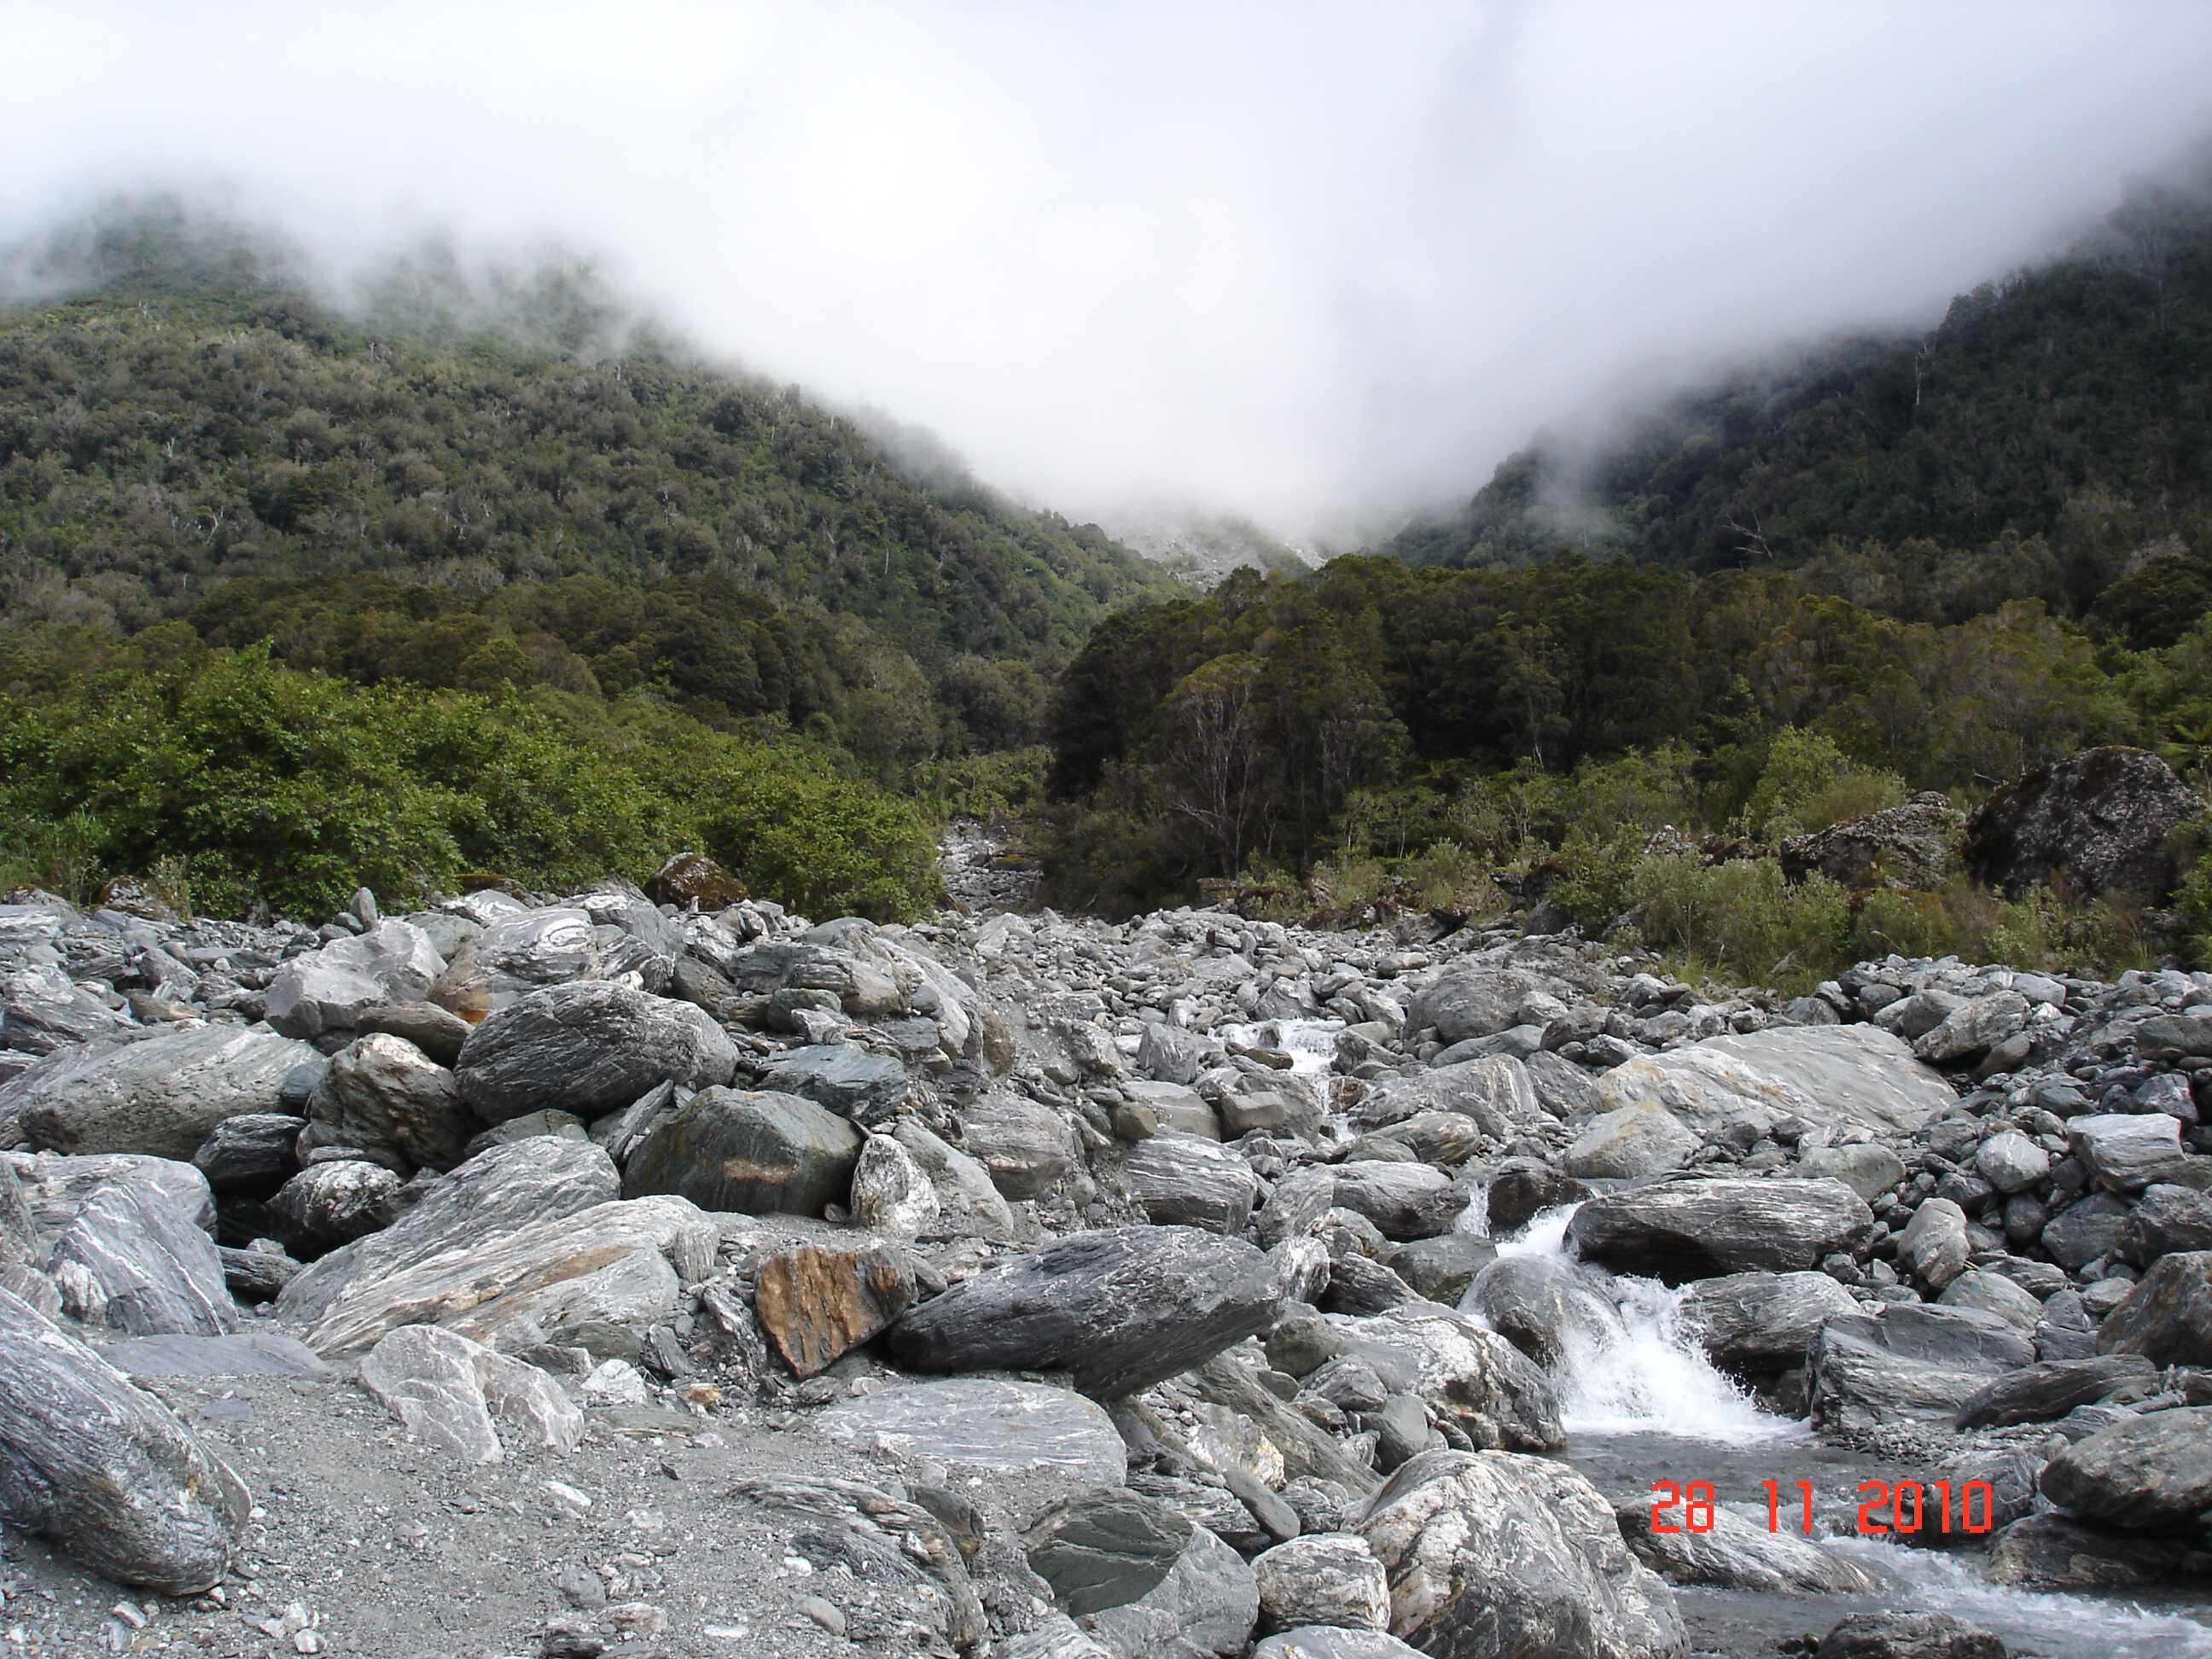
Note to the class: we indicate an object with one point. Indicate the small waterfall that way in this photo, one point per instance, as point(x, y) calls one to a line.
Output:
point(1648, 1378)
point(1310, 1043)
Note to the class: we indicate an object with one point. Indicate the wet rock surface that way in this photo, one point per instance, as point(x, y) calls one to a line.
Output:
point(870, 1249)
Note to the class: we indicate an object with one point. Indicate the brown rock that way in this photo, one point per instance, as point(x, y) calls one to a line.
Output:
point(694, 881)
point(818, 1304)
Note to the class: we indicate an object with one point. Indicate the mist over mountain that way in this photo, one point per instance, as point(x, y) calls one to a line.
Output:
point(2057, 421)
point(1279, 265)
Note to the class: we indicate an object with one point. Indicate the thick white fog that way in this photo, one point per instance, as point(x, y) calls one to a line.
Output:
point(1311, 263)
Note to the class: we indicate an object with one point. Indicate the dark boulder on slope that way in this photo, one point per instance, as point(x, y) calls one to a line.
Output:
point(2098, 821)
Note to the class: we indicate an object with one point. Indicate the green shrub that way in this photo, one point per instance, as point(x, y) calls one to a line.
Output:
point(1742, 921)
point(1598, 875)
point(1808, 784)
point(227, 779)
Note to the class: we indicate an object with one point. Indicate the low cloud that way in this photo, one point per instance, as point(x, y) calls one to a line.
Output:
point(1304, 263)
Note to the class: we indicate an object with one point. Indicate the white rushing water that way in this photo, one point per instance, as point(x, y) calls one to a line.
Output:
point(1647, 1377)
point(2041, 1622)
point(1310, 1043)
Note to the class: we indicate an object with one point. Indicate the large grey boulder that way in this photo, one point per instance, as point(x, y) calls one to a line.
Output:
point(42, 1012)
point(1026, 1145)
point(2010, 1162)
point(1404, 1200)
point(1547, 1308)
point(1914, 846)
point(2149, 1472)
point(1471, 999)
point(1462, 1373)
point(985, 1426)
point(969, 1203)
point(2098, 821)
point(253, 1152)
point(1969, 1031)
point(1496, 1091)
point(1142, 1579)
point(53, 1187)
point(1934, 1247)
point(1120, 1309)
point(1909, 1636)
point(756, 1152)
point(854, 1082)
point(517, 952)
point(1323, 1578)
point(1681, 1229)
point(2167, 1221)
point(2124, 1151)
point(1328, 1642)
point(323, 992)
point(500, 1190)
point(1642, 1140)
point(383, 1093)
point(590, 1048)
point(596, 1280)
point(1908, 1364)
point(1182, 1181)
point(1496, 1555)
point(1836, 1076)
point(447, 1389)
point(161, 1094)
point(333, 1203)
point(899, 1548)
point(2167, 1317)
point(133, 1264)
point(2054, 1551)
point(1755, 1325)
point(1866, 1167)
point(106, 1470)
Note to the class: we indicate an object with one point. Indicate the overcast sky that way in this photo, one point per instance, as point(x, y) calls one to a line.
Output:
point(1295, 260)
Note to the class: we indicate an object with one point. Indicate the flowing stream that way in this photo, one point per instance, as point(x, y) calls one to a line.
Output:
point(1648, 1406)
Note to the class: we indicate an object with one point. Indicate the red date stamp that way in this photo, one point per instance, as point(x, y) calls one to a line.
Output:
point(1885, 1506)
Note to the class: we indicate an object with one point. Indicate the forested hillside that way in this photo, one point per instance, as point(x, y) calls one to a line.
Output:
point(492, 496)
point(189, 426)
point(2053, 432)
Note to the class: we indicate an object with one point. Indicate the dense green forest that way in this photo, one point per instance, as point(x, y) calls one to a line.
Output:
point(482, 503)
point(507, 487)
point(2051, 434)
point(1377, 730)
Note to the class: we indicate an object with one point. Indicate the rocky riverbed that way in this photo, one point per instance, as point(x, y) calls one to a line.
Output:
point(630, 1272)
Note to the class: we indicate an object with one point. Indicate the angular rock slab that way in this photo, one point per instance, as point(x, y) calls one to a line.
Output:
point(1910, 1363)
point(2152, 1471)
point(447, 1390)
point(1679, 1230)
point(589, 1047)
point(1840, 1076)
point(383, 1091)
point(588, 1279)
point(129, 1263)
point(104, 1469)
point(1467, 1376)
point(1736, 1553)
point(161, 1094)
point(984, 1426)
point(1183, 1181)
point(1142, 1579)
point(1756, 1324)
point(2167, 1317)
point(754, 1152)
point(248, 1353)
point(1122, 1309)
point(818, 1304)
point(1495, 1555)
point(325, 991)
point(1323, 1578)
point(499, 1191)
point(2046, 1391)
